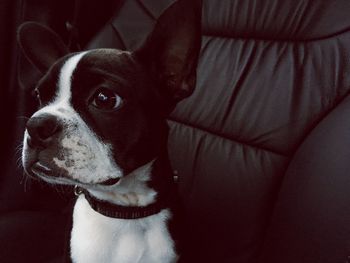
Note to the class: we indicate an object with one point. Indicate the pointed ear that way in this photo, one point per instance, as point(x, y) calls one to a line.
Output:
point(172, 49)
point(40, 44)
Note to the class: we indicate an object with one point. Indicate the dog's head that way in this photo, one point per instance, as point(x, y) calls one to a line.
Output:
point(102, 112)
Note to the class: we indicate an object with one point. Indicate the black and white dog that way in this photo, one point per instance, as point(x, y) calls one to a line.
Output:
point(102, 127)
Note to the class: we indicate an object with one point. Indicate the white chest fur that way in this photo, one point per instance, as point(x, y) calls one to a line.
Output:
point(99, 239)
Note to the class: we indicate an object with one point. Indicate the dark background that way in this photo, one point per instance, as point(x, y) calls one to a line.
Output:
point(29, 209)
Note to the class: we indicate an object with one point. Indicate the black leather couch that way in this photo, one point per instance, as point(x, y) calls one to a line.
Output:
point(262, 147)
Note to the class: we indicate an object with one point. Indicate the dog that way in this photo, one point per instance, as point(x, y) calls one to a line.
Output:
point(101, 127)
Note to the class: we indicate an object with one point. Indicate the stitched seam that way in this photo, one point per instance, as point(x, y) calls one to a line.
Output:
point(145, 9)
point(223, 136)
point(322, 117)
point(117, 34)
point(294, 41)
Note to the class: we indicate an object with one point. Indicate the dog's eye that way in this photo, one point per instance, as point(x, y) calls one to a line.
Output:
point(106, 99)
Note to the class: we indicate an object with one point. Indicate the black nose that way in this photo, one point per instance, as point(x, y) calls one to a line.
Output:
point(41, 129)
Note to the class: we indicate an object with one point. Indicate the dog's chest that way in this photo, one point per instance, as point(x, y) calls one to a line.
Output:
point(96, 238)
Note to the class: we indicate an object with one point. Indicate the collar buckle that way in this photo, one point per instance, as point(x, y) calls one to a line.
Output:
point(78, 190)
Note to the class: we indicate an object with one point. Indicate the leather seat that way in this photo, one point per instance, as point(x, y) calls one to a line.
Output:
point(262, 146)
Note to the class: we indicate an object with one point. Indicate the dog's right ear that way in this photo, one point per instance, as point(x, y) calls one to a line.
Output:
point(171, 51)
point(41, 45)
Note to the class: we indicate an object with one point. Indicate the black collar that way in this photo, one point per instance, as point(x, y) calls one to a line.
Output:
point(119, 211)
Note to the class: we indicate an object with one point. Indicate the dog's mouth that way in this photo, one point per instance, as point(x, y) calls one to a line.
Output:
point(40, 169)
point(45, 172)
point(109, 182)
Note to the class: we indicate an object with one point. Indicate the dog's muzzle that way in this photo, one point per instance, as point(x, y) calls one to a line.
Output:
point(58, 151)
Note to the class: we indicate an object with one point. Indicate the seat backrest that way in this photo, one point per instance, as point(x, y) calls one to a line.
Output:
point(269, 72)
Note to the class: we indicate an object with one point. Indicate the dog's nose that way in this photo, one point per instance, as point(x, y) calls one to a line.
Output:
point(42, 128)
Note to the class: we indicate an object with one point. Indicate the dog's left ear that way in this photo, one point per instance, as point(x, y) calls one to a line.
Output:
point(171, 51)
point(41, 45)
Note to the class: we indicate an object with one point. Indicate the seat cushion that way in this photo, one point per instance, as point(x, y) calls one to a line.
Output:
point(311, 219)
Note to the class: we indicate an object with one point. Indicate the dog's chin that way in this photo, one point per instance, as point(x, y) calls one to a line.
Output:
point(49, 175)
point(55, 176)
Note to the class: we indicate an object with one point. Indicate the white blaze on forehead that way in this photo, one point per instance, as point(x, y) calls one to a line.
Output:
point(64, 93)
point(65, 77)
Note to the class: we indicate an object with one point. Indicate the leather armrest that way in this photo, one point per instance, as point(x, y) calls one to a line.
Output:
point(311, 222)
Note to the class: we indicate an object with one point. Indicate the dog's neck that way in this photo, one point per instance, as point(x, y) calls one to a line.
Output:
point(144, 192)
point(131, 190)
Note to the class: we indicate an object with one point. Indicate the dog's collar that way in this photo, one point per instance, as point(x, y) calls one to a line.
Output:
point(118, 211)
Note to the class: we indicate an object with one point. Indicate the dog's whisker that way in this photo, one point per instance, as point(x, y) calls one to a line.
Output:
point(19, 162)
point(18, 155)
point(19, 147)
